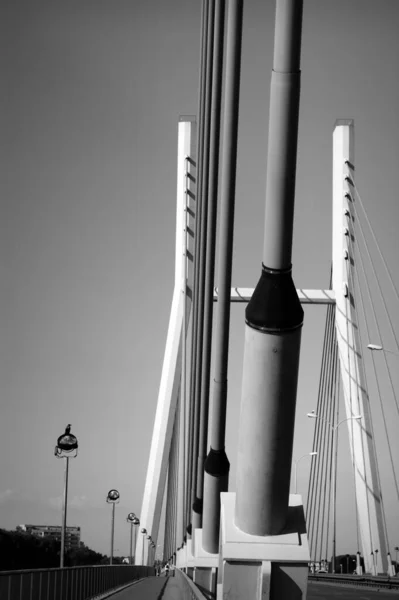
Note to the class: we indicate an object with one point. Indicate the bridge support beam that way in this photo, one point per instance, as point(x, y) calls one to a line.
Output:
point(170, 384)
point(361, 438)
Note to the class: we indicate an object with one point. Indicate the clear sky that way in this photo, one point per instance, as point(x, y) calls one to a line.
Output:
point(92, 92)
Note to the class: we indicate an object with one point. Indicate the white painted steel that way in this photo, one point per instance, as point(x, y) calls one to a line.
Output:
point(171, 369)
point(241, 294)
point(362, 448)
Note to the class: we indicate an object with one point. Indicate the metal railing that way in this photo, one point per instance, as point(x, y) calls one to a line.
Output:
point(69, 583)
point(384, 583)
point(189, 589)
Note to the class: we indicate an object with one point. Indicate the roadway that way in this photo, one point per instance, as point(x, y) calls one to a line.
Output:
point(325, 591)
point(151, 588)
point(167, 588)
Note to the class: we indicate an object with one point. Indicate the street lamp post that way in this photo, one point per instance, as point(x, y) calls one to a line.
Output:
point(136, 523)
point(143, 531)
point(67, 447)
point(112, 498)
point(334, 428)
point(296, 467)
point(130, 519)
point(378, 348)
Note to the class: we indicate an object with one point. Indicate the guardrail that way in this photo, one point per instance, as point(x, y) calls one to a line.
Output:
point(383, 583)
point(189, 589)
point(69, 583)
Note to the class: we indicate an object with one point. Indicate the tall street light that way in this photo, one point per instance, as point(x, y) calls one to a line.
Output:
point(130, 519)
point(136, 523)
point(112, 498)
point(143, 531)
point(334, 428)
point(296, 468)
point(67, 447)
point(378, 348)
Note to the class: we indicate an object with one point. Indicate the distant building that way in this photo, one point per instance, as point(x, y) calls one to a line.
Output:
point(72, 534)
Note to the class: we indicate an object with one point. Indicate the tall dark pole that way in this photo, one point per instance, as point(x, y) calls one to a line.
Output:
point(64, 512)
point(135, 541)
point(274, 315)
point(131, 544)
point(192, 459)
point(197, 508)
point(217, 465)
point(112, 533)
point(211, 242)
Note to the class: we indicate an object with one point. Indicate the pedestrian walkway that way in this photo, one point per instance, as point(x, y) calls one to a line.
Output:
point(152, 588)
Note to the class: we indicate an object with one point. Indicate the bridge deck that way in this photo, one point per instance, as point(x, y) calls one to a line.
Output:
point(325, 591)
point(152, 588)
point(167, 588)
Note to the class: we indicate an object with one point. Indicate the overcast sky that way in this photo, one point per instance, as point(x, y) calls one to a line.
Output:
point(92, 93)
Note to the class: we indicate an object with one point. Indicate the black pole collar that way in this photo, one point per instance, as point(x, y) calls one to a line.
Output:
point(274, 306)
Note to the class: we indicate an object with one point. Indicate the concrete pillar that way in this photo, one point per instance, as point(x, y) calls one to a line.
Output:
point(263, 547)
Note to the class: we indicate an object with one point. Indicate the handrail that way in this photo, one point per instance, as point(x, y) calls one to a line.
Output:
point(23, 571)
point(68, 583)
point(383, 582)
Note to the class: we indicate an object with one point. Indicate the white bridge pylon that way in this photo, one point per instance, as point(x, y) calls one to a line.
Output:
point(169, 388)
point(364, 459)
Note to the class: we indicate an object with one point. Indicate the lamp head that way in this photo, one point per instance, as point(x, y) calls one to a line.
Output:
point(113, 496)
point(67, 444)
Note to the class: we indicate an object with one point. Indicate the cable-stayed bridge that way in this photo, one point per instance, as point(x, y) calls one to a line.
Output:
point(261, 540)
point(209, 532)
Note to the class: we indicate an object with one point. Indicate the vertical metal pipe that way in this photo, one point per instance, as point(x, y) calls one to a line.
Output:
point(112, 533)
point(274, 315)
point(64, 512)
point(134, 544)
point(196, 514)
point(216, 99)
point(217, 465)
point(131, 544)
point(193, 373)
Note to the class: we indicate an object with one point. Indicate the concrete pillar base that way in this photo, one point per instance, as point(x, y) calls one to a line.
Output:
point(181, 557)
point(206, 565)
point(263, 567)
point(190, 560)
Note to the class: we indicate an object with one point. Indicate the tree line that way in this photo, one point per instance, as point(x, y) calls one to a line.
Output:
point(22, 550)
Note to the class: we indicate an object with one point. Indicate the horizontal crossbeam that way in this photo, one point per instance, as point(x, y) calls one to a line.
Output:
point(241, 294)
